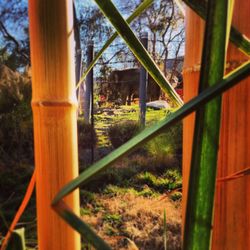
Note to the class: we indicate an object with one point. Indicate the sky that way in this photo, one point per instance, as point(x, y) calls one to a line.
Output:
point(17, 32)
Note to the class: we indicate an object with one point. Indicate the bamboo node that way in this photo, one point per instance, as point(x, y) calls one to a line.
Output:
point(230, 65)
point(47, 103)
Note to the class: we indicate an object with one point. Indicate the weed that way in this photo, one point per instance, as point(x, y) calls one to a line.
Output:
point(113, 190)
point(122, 132)
point(87, 197)
point(113, 219)
point(176, 196)
point(85, 211)
point(151, 180)
point(147, 192)
point(110, 231)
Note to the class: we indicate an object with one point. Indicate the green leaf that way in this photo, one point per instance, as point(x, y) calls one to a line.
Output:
point(17, 240)
point(239, 40)
point(80, 226)
point(122, 27)
point(201, 188)
point(232, 79)
point(143, 6)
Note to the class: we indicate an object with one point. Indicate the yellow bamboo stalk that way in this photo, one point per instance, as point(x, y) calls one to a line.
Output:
point(231, 227)
point(54, 111)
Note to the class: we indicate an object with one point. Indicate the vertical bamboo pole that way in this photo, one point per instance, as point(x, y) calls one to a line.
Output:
point(191, 73)
point(54, 110)
point(231, 229)
point(232, 202)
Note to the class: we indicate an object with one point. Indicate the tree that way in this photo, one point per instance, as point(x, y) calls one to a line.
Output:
point(14, 38)
point(163, 21)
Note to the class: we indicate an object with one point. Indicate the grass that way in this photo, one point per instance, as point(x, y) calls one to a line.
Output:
point(130, 217)
point(104, 118)
point(126, 203)
point(135, 189)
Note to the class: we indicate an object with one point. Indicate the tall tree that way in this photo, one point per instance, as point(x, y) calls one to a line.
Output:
point(14, 38)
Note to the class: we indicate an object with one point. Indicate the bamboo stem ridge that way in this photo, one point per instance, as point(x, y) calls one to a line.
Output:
point(198, 220)
point(231, 224)
point(54, 111)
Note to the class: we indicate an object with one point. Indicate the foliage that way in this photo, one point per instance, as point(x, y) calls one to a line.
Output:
point(14, 50)
point(166, 147)
point(121, 132)
point(16, 126)
point(17, 241)
point(86, 135)
point(114, 219)
point(13, 184)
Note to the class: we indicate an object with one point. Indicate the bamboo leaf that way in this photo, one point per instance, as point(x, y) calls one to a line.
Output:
point(17, 240)
point(232, 79)
point(143, 6)
point(123, 29)
point(20, 210)
point(239, 40)
point(199, 209)
point(236, 175)
point(76, 222)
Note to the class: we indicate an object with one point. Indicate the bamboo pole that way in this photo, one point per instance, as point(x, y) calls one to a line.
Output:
point(231, 229)
point(54, 110)
point(232, 202)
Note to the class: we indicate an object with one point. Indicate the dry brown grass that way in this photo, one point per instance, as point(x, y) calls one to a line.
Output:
point(140, 223)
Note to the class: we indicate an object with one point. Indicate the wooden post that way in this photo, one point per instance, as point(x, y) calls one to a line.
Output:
point(143, 85)
point(231, 228)
point(88, 99)
point(54, 110)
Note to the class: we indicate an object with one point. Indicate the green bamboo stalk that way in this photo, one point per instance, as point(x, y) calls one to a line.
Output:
point(199, 211)
point(230, 80)
point(76, 222)
point(123, 29)
point(239, 40)
point(142, 7)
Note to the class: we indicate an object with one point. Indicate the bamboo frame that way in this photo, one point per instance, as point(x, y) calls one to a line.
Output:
point(54, 110)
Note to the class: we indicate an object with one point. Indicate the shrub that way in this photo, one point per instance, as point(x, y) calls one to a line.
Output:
point(16, 125)
point(122, 132)
point(166, 148)
point(86, 135)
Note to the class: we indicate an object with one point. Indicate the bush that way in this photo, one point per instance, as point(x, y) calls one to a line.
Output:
point(16, 125)
point(122, 132)
point(166, 148)
point(86, 135)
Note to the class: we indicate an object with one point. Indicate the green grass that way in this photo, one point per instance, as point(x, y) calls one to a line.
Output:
point(123, 114)
point(113, 219)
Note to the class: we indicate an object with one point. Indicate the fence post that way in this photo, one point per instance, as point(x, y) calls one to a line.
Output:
point(88, 95)
point(54, 107)
point(143, 85)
